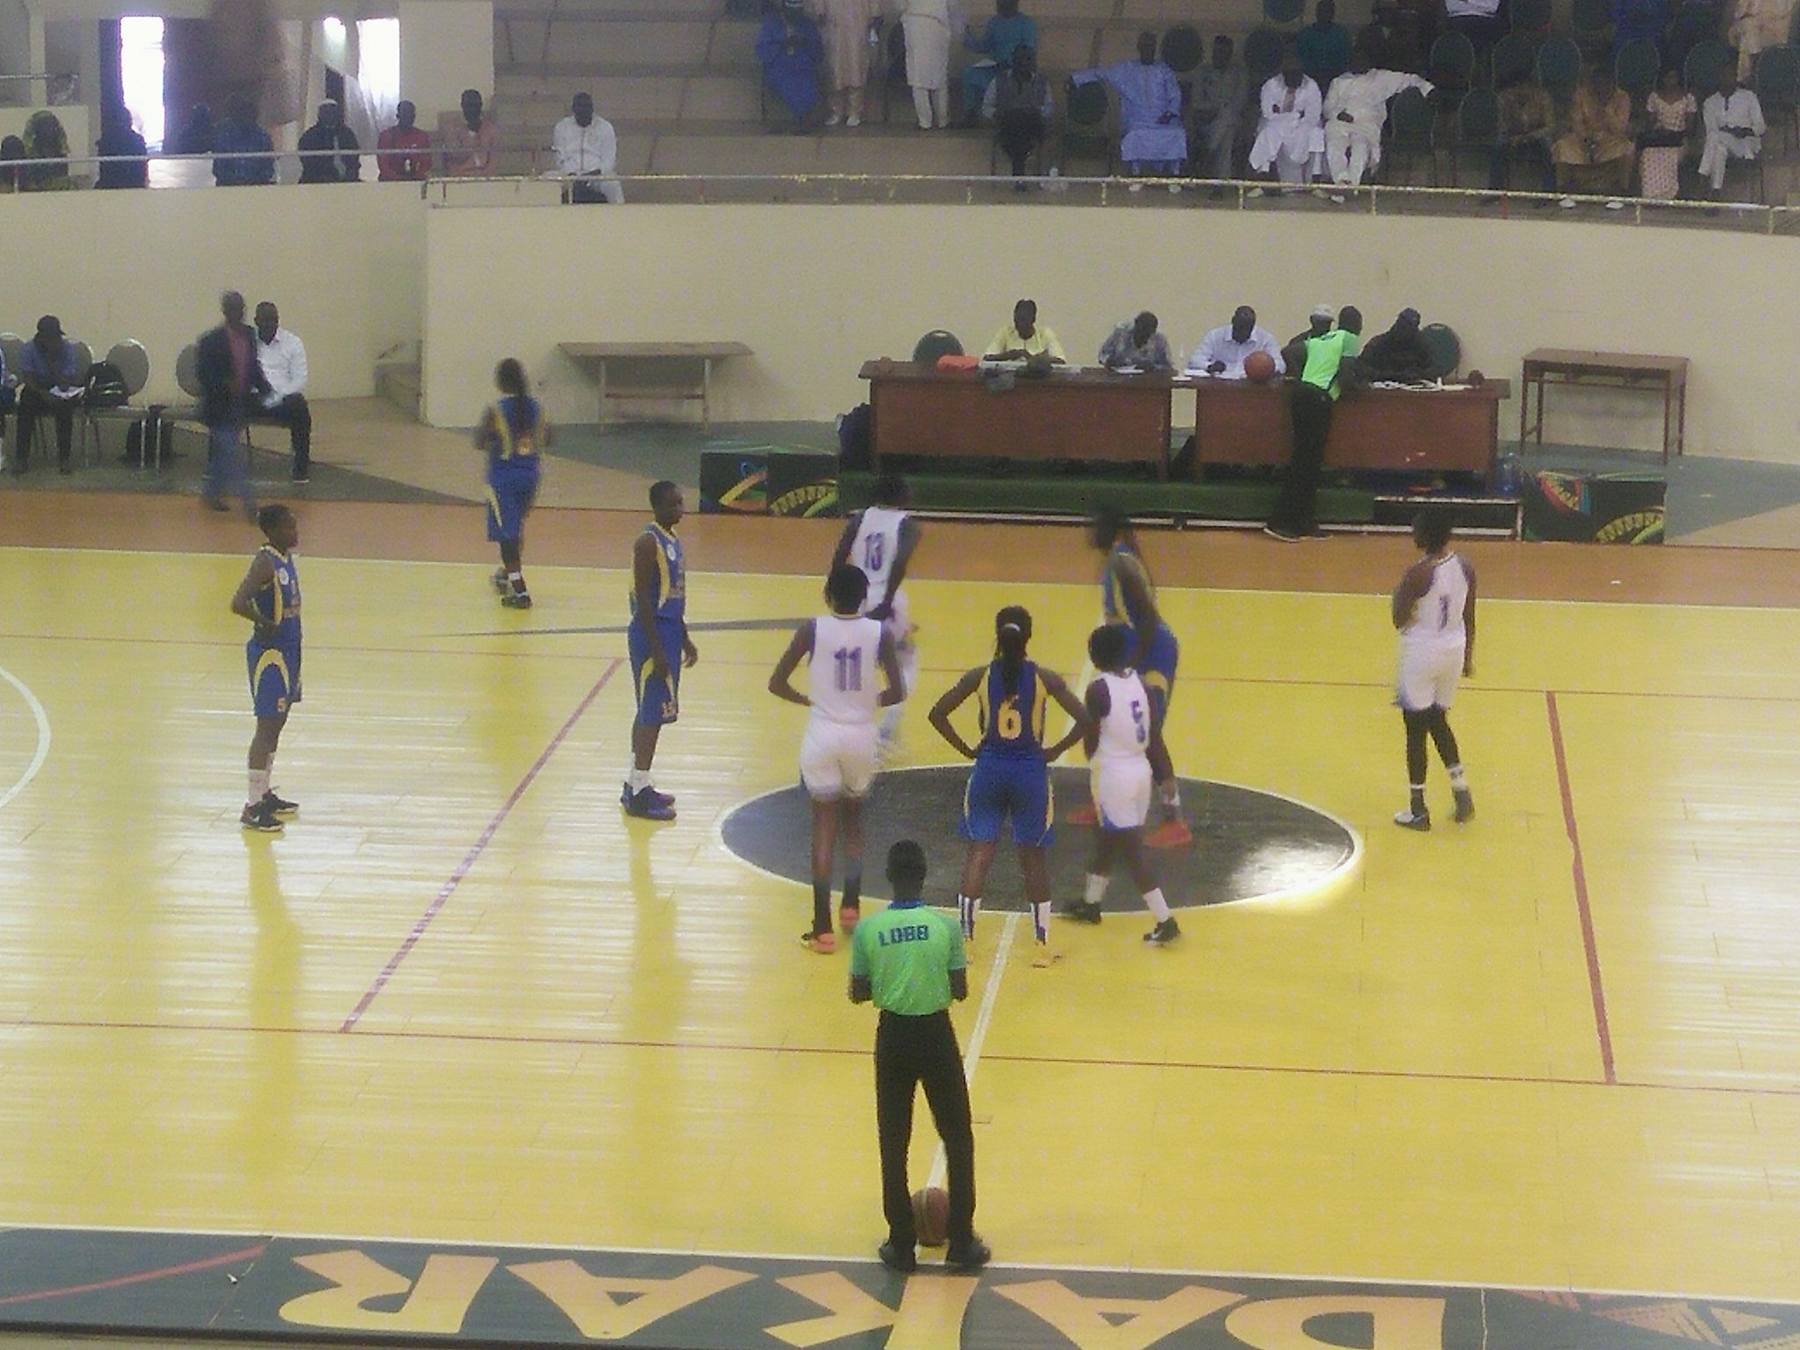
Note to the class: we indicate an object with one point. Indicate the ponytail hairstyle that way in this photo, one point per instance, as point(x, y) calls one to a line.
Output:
point(1012, 634)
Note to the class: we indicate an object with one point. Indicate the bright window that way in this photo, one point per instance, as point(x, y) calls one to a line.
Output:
point(379, 69)
point(141, 68)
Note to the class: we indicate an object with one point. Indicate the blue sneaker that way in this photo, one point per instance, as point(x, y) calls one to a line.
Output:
point(645, 805)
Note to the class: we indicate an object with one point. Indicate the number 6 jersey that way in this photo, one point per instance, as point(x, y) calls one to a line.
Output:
point(846, 670)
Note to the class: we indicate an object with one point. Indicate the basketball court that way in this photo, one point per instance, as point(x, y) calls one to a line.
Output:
point(464, 1052)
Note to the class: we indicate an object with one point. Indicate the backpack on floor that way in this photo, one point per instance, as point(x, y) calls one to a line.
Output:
point(105, 386)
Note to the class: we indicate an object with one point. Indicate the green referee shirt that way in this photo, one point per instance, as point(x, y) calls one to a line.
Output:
point(1325, 354)
point(906, 953)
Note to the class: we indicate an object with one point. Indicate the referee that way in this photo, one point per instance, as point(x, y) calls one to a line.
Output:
point(909, 960)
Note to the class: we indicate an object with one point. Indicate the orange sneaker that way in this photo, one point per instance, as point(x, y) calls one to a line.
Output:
point(1172, 833)
point(822, 943)
point(1085, 814)
point(848, 916)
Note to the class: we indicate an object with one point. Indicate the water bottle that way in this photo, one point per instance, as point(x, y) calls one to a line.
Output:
point(1509, 474)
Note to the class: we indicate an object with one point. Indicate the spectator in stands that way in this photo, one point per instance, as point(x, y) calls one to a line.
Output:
point(320, 144)
point(1137, 343)
point(1755, 26)
point(926, 27)
point(1595, 153)
point(12, 156)
point(1323, 46)
point(1481, 21)
point(282, 357)
point(1399, 354)
point(847, 26)
point(50, 383)
point(1318, 365)
point(1220, 92)
point(196, 137)
point(231, 384)
point(1289, 138)
point(469, 145)
point(1004, 34)
point(1018, 103)
point(405, 150)
point(1733, 119)
point(1025, 339)
point(1527, 125)
point(1222, 352)
point(243, 153)
point(45, 139)
point(1152, 137)
point(1356, 109)
point(117, 138)
point(1669, 111)
point(587, 154)
point(792, 53)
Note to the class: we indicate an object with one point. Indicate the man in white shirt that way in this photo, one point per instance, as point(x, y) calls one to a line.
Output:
point(587, 151)
point(1221, 352)
point(1734, 124)
point(1355, 112)
point(1288, 137)
point(283, 359)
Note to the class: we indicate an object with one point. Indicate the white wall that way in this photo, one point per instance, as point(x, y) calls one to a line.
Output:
point(815, 290)
point(446, 46)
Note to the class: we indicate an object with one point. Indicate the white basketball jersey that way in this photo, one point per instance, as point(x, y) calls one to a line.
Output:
point(846, 670)
point(1125, 730)
point(1438, 617)
point(874, 549)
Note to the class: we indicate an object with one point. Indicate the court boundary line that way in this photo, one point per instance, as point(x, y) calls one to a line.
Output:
point(42, 752)
point(479, 847)
point(862, 1259)
point(1578, 874)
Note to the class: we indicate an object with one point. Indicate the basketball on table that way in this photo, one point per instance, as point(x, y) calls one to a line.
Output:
point(1259, 367)
point(931, 1211)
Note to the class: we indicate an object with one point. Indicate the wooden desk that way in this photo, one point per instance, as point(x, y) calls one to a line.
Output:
point(1608, 370)
point(1081, 415)
point(598, 354)
point(1236, 422)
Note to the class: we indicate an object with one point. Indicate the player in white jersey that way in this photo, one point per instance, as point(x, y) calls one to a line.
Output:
point(844, 650)
point(1118, 747)
point(881, 539)
point(1434, 609)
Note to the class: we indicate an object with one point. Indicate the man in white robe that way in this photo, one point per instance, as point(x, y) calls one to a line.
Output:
point(1289, 138)
point(928, 25)
point(1733, 118)
point(1153, 137)
point(1356, 108)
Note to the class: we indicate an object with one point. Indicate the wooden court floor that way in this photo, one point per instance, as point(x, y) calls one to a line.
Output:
point(462, 1000)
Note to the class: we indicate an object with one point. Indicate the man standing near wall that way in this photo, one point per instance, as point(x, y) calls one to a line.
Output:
point(230, 378)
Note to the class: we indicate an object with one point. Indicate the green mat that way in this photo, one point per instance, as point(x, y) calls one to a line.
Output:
point(1063, 496)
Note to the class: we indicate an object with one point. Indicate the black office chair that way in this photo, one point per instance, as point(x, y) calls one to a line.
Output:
point(938, 342)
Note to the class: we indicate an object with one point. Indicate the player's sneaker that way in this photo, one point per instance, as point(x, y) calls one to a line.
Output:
point(970, 1255)
point(1164, 933)
point(1085, 814)
point(644, 806)
point(1172, 833)
point(823, 944)
point(1043, 958)
point(516, 600)
point(1410, 819)
point(848, 917)
point(278, 806)
point(1082, 911)
point(500, 583)
point(900, 1260)
point(660, 797)
point(1465, 806)
point(260, 819)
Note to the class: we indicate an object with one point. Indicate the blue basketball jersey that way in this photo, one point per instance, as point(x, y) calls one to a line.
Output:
point(1114, 598)
point(1012, 725)
point(671, 577)
point(279, 601)
point(516, 429)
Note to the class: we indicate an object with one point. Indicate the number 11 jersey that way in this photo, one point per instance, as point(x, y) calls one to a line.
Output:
point(846, 670)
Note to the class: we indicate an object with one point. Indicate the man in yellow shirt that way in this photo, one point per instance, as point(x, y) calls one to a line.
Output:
point(1025, 338)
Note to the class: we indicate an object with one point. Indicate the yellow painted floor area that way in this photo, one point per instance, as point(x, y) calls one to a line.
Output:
point(578, 1031)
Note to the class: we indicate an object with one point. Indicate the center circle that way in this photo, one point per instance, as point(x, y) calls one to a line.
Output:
point(1248, 844)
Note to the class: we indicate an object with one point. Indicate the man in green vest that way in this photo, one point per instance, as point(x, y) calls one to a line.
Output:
point(908, 960)
point(1320, 359)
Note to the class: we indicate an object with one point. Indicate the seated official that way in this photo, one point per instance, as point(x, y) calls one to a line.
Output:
point(1734, 124)
point(1137, 344)
point(587, 151)
point(283, 359)
point(1222, 352)
point(118, 139)
point(51, 380)
point(317, 163)
point(1018, 103)
point(253, 162)
point(1400, 353)
point(403, 150)
point(1025, 339)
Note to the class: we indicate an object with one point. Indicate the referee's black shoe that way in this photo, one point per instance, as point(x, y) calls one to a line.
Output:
point(901, 1260)
point(970, 1255)
point(1082, 912)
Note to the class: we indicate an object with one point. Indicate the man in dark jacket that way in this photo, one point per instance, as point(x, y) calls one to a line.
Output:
point(1399, 354)
point(329, 133)
point(230, 380)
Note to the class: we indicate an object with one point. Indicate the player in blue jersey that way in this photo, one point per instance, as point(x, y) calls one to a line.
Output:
point(1128, 597)
point(659, 644)
point(269, 597)
point(1011, 777)
point(511, 432)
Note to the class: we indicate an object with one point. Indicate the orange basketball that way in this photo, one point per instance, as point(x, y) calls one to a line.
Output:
point(931, 1211)
point(1259, 367)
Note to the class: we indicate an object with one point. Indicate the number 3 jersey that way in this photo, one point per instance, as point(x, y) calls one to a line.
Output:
point(846, 670)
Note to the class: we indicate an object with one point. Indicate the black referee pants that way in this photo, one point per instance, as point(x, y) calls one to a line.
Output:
point(910, 1051)
point(1296, 509)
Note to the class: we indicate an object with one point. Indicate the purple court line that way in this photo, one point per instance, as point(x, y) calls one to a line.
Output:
point(463, 868)
point(1579, 873)
point(140, 1277)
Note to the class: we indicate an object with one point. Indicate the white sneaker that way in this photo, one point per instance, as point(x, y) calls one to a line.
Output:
point(1134, 187)
point(1567, 203)
point(1615, 205)
point(1254, 192)
point(853, 120)
point(1337, 199)
point(832, 119)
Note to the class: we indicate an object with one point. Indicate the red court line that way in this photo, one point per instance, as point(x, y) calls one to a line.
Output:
point(475, 851)
point(141, 1277)
point(1579, 873)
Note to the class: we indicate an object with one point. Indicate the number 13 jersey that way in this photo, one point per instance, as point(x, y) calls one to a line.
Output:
point(846, 670)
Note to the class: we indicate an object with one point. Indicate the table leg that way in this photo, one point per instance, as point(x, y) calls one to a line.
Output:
point(1540, 413)
point(1524, 406)
point(1668, 410)
point(1681, 421)
point(706, 393)
point(602, 382)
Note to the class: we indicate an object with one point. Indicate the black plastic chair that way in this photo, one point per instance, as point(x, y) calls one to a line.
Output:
point(1262, 55)
point(1531, 17)
point(1778, 88)
point(1284, 11)
point(1511, 59)
point(1409, 125)
point(1445, 348)
point(1559, 66)
point(1592, 23)
point(1085, 126)
point(938, 342)
point(1637, 67)
point(1700, 72)
point(1477, 128)
point(1450, 65)
point(1183, 49)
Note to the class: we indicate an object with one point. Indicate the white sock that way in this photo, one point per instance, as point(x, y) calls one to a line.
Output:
point(1096, 889)
point(968, 909)
point(637, 779)
point(1170, 793)
point(1158, 906)
point(1458, 779)
point(516, 580)
point(259, 784)
point(1040, 922)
